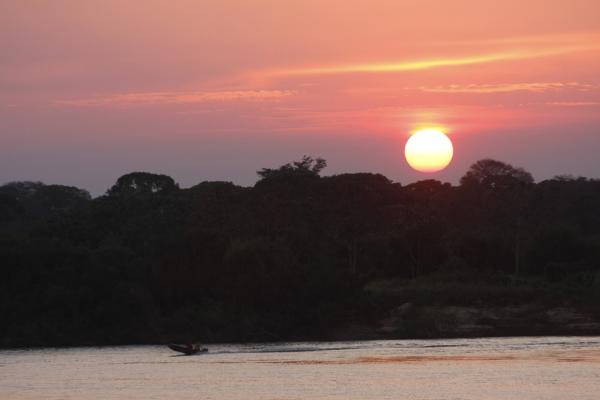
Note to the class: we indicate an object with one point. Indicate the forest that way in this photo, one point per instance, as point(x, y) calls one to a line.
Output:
point(299, 256)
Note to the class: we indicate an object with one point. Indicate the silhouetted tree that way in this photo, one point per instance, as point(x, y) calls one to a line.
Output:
point(142, 183)
point(495, 174)
point(307, 166)
point(502, 195)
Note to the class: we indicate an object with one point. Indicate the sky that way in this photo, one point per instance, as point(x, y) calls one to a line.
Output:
point(216, 90)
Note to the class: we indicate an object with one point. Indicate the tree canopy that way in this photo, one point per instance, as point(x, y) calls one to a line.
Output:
point(296, 256)
point(307, 166)
point(141, 183)
point(495, 174)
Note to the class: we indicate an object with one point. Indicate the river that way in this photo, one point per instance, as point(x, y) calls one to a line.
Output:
point(548, 368)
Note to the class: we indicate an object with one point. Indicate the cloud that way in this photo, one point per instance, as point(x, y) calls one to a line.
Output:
point(574, 103)
point(416, 65)
point(538, 87)
point(167, 98)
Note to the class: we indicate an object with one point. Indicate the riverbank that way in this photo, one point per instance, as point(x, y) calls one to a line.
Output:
point(408, 321)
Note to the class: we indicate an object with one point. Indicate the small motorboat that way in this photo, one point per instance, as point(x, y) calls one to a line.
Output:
point(187, 349)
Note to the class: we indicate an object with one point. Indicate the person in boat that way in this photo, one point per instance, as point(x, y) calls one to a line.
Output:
point(193, 346)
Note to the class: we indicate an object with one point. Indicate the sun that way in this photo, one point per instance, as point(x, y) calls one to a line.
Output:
point(428, 150)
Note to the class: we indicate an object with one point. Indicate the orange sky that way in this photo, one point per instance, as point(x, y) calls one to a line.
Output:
point(218, 89)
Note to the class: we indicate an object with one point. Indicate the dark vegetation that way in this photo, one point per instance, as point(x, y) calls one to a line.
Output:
point(297, 256)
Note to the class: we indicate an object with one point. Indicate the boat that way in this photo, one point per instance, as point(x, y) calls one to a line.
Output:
point(187, 349)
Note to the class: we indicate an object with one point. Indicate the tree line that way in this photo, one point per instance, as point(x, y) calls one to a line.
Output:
point(292, 257)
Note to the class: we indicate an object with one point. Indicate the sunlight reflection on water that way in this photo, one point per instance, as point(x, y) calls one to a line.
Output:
point(495, 368)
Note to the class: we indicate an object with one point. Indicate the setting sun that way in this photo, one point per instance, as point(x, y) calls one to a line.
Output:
point(428, 150)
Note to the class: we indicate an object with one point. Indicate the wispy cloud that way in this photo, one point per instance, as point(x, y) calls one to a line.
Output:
point(544, 39)
point(415, 65)
point(166, 98)
point(510, 87)
point(574, 103)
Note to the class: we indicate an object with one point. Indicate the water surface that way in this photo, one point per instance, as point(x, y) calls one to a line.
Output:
point(561, 368)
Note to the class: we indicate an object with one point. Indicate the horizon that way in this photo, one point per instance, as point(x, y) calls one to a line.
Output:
point(426, 177)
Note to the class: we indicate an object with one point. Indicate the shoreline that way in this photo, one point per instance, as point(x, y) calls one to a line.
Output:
point(309, 340)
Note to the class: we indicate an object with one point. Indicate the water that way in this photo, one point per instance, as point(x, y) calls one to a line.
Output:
point(545, 368)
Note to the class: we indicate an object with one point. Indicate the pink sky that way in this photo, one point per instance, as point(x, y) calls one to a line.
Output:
point(215, 90)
